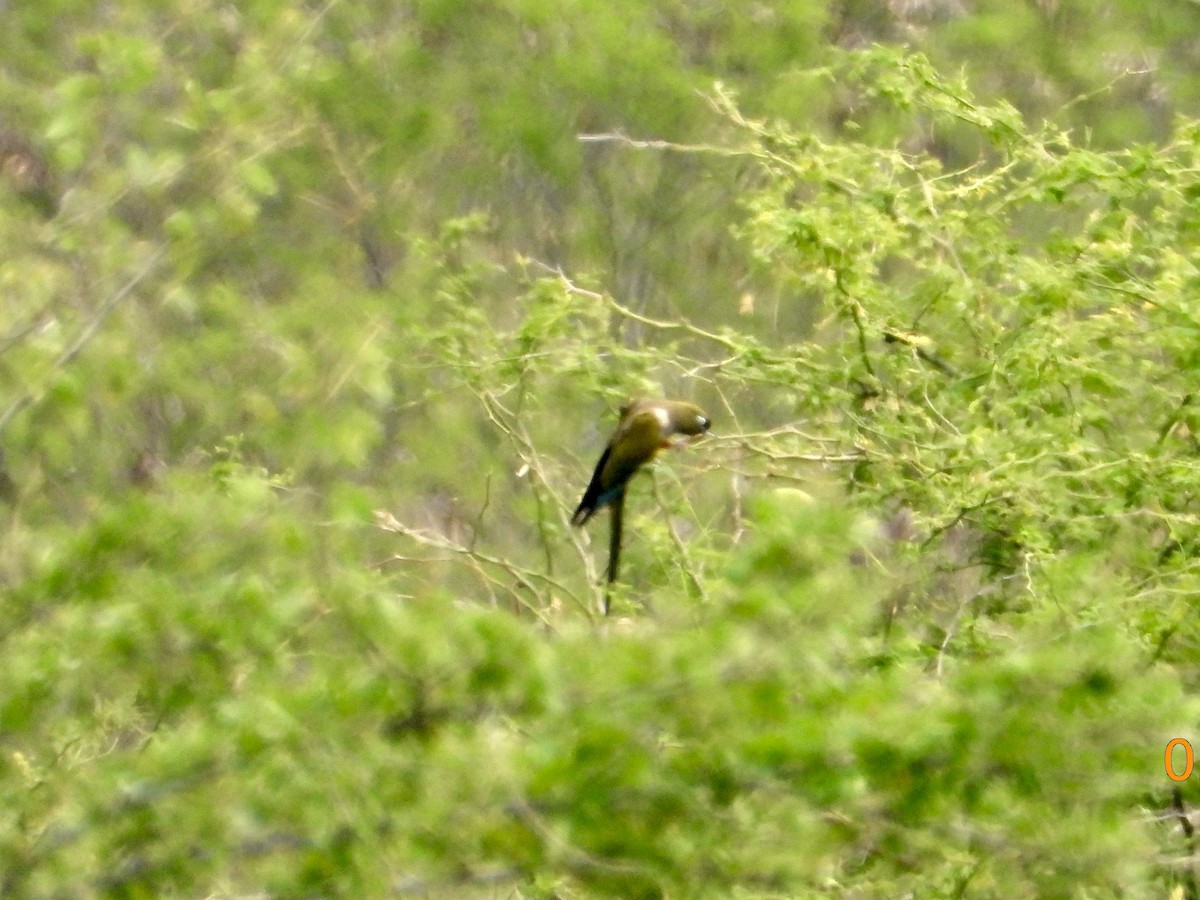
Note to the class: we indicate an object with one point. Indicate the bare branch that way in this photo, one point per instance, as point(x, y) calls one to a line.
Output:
point(524, 578)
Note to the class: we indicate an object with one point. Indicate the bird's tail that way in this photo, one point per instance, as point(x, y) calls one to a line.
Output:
point(593, 500)
point(614, 545)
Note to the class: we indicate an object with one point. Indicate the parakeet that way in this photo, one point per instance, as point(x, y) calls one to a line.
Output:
point(646, 426)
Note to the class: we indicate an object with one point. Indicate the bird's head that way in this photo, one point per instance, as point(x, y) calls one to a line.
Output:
point(666, 423)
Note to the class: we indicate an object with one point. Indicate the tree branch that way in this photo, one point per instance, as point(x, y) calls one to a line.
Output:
point(85, 335)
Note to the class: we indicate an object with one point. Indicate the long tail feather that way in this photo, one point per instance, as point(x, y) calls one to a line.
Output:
point(614, 545)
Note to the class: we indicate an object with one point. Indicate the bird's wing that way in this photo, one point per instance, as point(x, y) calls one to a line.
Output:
point(592, 499)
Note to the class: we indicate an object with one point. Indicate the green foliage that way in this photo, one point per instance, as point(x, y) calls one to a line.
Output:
point(316, 319)
point(339, 742)
point(1032, 384)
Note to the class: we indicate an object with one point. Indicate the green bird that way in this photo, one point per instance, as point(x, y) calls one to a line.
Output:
point(646, 426)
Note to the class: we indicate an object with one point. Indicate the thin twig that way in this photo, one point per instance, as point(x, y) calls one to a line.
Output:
point(855, 308)
point(85, 335)
point(20, 332)
point(571, 287)
point(680, 547)
point(1192, 887)
point(524, 577)
point(616, 137)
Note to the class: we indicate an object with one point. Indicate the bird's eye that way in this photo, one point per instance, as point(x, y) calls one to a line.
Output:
point(705, 424)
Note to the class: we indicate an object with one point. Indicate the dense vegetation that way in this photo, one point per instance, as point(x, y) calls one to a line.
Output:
point(316, 316)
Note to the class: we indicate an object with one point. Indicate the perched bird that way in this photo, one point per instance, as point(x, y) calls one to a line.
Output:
point(646, 426)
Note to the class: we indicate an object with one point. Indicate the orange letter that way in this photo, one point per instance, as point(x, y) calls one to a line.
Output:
point(1187, 758)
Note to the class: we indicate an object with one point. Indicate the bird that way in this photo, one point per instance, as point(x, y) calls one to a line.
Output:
point(645, 427)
